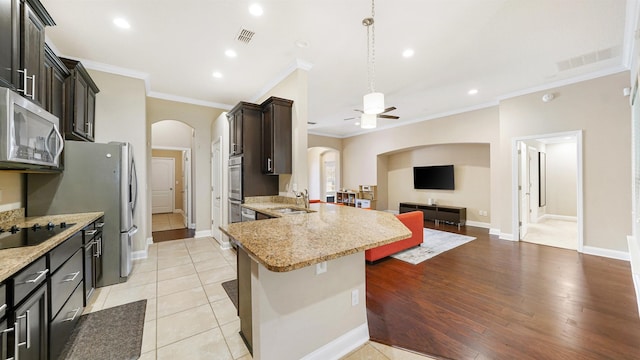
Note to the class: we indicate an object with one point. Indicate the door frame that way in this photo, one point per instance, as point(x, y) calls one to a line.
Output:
point(188, 181)
point(515, 198)
point(217, 171)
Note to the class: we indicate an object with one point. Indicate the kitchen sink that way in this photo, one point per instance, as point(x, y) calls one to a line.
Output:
point(290, 211)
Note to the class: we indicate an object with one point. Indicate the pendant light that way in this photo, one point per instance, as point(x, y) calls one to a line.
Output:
point(373, 102)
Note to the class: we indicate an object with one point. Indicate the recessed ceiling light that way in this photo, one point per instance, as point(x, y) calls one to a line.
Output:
point(255, 10)
point(121, 23)
point(231, 53)
point(472, 91)
point(408, 53)
point(357, 123)
point(217, 74)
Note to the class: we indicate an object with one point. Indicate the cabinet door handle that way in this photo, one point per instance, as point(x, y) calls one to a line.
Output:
point(268, 164)
point(3, 307)
point(37, 278)
point(27, 341)
point(91, 232)
point(99, 242)
point(3, 342)
point(33, 87)
point(24, 82)
point(71, 277)
point(75, 313)
point(100, 225)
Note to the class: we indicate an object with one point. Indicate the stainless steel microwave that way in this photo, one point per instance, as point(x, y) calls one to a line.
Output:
point(29, 135)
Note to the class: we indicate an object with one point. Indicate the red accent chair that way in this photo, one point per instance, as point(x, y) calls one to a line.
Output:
point(412, 220)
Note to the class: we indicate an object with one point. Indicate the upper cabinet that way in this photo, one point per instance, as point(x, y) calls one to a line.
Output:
point(239, 128)
point(276, 136)
point(79, 112)
point(22, 54)
point(55, 75)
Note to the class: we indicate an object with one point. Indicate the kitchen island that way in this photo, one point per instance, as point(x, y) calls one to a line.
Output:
point(301, 278)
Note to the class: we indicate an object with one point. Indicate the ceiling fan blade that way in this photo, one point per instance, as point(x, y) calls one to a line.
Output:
point(389, 117)
point(351, 118)
point(391, 108)
point(358, 110)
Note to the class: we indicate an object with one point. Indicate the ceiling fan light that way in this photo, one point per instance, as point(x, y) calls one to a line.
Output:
point(373, 103)
point(368, 121)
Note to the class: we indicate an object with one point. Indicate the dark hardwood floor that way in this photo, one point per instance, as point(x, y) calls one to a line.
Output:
point(167, 235)
point(497, 299)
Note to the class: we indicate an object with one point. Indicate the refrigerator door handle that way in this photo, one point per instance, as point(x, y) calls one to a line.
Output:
point(133, 230)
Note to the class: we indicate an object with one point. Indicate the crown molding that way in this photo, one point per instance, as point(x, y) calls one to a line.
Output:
point(186, 100)
point(293, 66)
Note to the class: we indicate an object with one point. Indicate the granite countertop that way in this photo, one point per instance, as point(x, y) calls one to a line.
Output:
point(13, 260)
point(290, 242)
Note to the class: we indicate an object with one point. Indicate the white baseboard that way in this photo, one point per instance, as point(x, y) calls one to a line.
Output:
point(479, 224)
point(493, 231)
point(149, 240)
point(178, 211)
point(613, 254)
point(141, 254)
point(224, 242)
point(341, 346)
point(192, 226)
point(634, 254)
point(203, 233)
point(507, 236)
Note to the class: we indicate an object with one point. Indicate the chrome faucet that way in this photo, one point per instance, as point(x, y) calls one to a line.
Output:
point(305, 197)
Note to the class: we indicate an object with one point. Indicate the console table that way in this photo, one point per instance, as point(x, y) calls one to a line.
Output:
point(438, 213)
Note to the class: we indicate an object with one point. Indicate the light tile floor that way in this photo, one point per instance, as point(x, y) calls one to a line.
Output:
point(189, 315)
point(167, 221)
point(552, 232)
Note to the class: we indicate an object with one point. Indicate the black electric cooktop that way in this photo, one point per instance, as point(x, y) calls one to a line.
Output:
point(17, 237)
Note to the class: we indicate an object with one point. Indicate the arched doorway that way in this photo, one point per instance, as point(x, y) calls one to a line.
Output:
point(324, 173)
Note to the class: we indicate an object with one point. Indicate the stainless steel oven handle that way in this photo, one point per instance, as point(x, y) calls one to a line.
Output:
point(37, 278)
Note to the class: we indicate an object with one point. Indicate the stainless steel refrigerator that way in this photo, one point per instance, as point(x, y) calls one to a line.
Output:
point(96, 177)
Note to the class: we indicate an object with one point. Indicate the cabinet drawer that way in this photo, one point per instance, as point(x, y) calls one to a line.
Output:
point(65, 280)
point(3, 301)
point(29, 279)
point(62, 325)
point(63, 251)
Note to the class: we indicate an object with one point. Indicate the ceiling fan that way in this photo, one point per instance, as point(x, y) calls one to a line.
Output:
point(379, 116)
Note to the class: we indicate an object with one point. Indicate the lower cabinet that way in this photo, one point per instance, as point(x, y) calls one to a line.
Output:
point(31, 324)
point(244, 297)
point(63, 323)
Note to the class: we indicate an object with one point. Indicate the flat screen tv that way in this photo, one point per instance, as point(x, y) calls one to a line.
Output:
point(438, 177)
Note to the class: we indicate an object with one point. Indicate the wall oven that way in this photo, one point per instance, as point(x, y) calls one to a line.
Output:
point(235, 189)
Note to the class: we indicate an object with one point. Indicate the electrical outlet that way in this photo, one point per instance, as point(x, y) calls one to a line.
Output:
point(355, 297)
point(321, 268)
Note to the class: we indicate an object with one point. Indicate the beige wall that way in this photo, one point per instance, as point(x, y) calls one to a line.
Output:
point(598, 108)
point(561, 179)
point(178, 174)
point(120, 116)
point(200, 119)
point(364, 157)
point(12, 188)
point(471, 174)
point(324, 141)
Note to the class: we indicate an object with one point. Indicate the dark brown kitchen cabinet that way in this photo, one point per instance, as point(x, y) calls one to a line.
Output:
point(28, 312)
point(56, 74)
point(80, 90)
point(276, 136)
point(22, 33)
point(239, 128)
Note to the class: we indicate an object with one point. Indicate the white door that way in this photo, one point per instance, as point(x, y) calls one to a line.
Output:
point(216, 189)
point(187, 186)
point(162, 185)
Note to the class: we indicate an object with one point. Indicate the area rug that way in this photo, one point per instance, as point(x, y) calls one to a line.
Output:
point(114, 333)
point(231, 287)
point(435, 242)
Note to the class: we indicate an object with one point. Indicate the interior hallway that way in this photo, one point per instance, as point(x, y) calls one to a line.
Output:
point(167, 221)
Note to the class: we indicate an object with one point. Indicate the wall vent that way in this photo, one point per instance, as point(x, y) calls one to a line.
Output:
point(586, 59)
point(245, 35)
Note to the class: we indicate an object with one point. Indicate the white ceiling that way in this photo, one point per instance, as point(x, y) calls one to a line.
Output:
point(500, 47)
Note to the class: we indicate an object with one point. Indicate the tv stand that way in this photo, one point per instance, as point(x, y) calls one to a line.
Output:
point(438, 213)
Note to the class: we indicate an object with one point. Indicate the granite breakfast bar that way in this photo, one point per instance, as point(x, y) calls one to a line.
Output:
point(302, 278)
